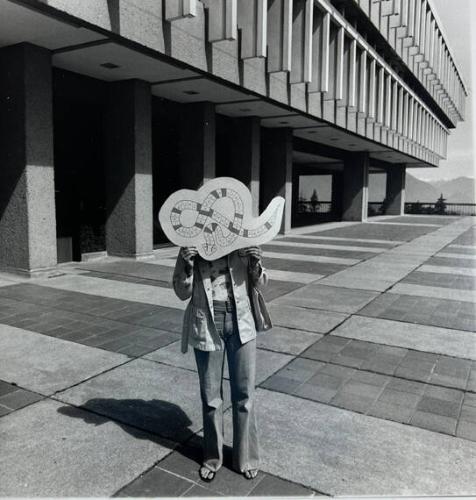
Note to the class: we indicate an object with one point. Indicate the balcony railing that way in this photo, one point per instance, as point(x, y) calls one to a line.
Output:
point(309, 207)
point(426, 208)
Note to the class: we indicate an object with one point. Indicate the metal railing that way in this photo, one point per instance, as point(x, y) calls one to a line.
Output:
point(426, 208)
point(309, 207)
point(436, 208)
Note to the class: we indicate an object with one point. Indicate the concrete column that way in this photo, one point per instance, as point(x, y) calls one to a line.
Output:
point(336, 194)
point(356, 192)
point(197, 144)
point(27, 192)
point(395, 195)
point(129, 169)
point(245, 155)
point(276, 170)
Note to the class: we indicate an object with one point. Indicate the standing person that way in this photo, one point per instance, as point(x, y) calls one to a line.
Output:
point(219, 319)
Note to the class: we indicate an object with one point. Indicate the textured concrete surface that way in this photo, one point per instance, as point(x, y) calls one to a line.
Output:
point(434, 292)
point(105, 288)
point(267, 362)
point(286, 340)
point(365, 409)
point(328, 298)
point(53, 450)
point(45, 364)
point(141, 393)
point(420, 337)
point(355, 454)
point(311, 258)
point(305, 319)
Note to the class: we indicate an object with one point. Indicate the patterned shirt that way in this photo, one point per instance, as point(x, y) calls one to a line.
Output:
point(221, 279)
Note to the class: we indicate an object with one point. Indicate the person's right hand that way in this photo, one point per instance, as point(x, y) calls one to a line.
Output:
point(188, 254)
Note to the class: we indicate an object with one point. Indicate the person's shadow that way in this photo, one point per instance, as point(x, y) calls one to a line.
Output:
point(160, 421)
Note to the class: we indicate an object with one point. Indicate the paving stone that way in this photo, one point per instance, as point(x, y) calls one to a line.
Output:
point(303, 267)
point(434, 422)
point(424, 338)
point(185, 461)
point(139, 393)
point(466, 430)
point(329, 298)
point(406, 386)
point(53, 450)
point(281, 384)
point(156, 483)
point(19, 399)
point(459, 383)
point(286, 340)
point(44, 364)
point(413, 373)
point(470, 399)
point(389, 411)
point(199, 491)
point(353, 402)
point(326, 381)
point(439, 406)
point(400, 398)
point(371, 378)
point(458, 368)
point(468, 413)
point(305, 319)
point(361, 389)
point(315, 392)
point(4, 410)
point(338, 371)
point(276, 487)
point(268, 362)
point(5, 388)
point(444, 393)
point(347, 361)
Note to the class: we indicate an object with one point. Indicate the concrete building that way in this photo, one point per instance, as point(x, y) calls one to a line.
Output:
point(108, 106)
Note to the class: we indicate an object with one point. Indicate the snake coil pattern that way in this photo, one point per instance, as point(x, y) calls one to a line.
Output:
point(218, 229)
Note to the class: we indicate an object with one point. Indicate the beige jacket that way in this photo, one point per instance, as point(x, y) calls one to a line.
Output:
point(199, 329)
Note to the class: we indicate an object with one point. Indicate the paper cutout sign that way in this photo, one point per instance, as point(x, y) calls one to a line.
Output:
point(217, 218)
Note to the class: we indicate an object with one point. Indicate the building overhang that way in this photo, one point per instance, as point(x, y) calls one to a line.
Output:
point(83, 48)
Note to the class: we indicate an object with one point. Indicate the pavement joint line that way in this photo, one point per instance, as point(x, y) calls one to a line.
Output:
point(360, 413)
point(23, 301)
point(399, 377)
point(99, 347)
point(410, 323)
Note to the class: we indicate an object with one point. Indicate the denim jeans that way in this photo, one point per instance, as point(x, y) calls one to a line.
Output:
point(242, 372)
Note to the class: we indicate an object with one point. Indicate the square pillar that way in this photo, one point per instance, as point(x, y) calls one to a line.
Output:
point(355, 197)
point(128, 155)
point(276, 170)
point(27, 191)
point(197, 144)
point(245, 155)
point(395, 195)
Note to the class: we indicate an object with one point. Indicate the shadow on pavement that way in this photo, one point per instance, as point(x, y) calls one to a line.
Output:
point(167, 422)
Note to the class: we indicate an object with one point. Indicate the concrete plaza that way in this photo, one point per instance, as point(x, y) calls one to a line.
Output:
point(367, 383)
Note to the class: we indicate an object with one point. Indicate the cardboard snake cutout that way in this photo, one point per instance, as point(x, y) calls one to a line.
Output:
point(217, 218)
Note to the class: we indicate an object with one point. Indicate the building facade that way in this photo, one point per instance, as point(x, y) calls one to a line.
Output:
point(108, 106)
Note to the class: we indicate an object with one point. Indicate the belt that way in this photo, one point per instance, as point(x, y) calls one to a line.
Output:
point(222, 305)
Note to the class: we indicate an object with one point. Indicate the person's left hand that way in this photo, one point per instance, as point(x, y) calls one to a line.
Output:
point(254, 253)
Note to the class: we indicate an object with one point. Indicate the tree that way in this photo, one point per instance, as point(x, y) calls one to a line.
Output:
point(440, 205)
point(314, 201)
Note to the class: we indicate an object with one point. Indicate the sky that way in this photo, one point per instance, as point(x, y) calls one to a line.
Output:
point(457, 17)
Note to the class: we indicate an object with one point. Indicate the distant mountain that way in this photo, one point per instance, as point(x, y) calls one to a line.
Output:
point(418, 190)
point(460, 190)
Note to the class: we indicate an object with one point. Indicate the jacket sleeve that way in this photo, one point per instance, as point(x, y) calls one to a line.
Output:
point(258, 275)
point(183, 279)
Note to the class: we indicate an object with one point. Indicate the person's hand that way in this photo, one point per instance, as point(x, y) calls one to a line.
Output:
point(188, 254)
point(254, 254)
